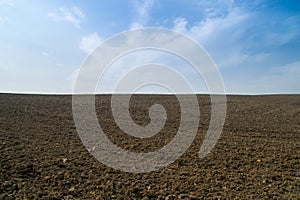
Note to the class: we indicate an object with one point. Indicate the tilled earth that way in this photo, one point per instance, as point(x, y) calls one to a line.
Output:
point(257, 156)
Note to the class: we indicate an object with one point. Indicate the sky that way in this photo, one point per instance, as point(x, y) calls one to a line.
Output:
point(254, 44)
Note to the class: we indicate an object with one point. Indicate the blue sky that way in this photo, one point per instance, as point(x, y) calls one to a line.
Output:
point(255, 44)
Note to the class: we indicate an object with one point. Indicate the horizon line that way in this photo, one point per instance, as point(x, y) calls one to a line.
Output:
point(145, 93)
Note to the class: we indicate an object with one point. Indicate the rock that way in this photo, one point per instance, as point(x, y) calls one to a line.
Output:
point(72, 189)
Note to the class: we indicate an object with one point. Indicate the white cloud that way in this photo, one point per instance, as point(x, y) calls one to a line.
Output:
point(180, 25)
point(284, 79)
point(3, 19)
point(72, 15)
point(6, 2)
point(235, 34)
point(89, 43)
point(121, 66)
point(78, 12)
point(209, 28)
point(287, 30)
point(143, 9)
point(44, 53)
point(238, 58)
point(289, 77)
point(220, 35)
point(135, 25)
point(216, 8)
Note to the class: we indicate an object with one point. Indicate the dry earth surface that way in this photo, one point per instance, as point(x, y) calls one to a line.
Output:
point(257, 156)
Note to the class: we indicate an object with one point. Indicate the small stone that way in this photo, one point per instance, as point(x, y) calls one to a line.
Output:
point(72, 189)
point(170, 197)
point(183, 196)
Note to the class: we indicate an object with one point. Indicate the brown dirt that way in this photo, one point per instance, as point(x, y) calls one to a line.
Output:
point(258, 155)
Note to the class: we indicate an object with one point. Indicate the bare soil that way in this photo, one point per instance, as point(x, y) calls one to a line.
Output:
point(257, 156)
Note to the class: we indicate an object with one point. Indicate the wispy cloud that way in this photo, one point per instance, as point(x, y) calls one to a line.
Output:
point(287, 30)
point(283, 79)
point(89, 42)
point(3, 19)
point(6, 2)
point(216, 8)
point(231, 32)
point(219, 32)
point(142, 9)
point(72, 15)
